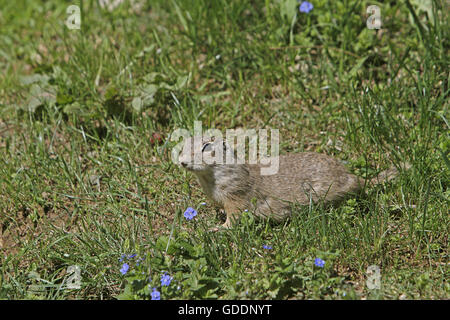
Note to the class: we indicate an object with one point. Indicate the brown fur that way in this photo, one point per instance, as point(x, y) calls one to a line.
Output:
point(301, 178)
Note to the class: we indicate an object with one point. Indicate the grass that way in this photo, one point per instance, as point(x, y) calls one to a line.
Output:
point(84, 178)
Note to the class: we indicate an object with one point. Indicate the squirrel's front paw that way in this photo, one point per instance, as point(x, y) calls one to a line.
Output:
point(223, 227)
point(215, 229)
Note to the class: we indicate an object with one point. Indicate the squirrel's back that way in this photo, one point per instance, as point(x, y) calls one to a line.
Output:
point(302, 176)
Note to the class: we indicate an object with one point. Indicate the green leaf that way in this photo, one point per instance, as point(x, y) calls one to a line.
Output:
point(63, 99)
point(40, 96)
point(146, 50)
point(150, 89)
point(288, 8)
point(154, 77)
point(180, 16)
point(127, 294)
point(425, 6)
point(111, 92)
point(356, 67)
point(181, 82)
point(33, 103)
point(73, 108)
point(161, 244)
point(137, 104)
point(34, 78)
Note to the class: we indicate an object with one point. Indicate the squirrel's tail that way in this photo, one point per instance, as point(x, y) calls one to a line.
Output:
point(388, 175)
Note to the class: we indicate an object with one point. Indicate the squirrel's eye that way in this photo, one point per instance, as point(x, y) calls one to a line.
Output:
point(206, 147)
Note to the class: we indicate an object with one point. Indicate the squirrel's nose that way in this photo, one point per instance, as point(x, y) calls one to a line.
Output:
point(184, 164)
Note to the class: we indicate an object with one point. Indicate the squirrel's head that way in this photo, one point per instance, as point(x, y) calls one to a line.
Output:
point(201, 154)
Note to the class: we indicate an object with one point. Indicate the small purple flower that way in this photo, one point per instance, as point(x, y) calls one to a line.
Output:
point(267, 247)
point(306, 7)
point(166, 279)
point(190, 213)
point(319, 262)
point(156, 295)
point(122, 257)
point(131, 256)
point(125, 268)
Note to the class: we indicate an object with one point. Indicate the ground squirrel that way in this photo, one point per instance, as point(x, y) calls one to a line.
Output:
point(301, 178)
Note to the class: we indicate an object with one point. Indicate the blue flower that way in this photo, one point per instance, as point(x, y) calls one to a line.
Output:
point(319, 262)
point(267, 247)
point(124, 256)
point(166, 279)
point(306, 7)
point(156, 295)
point(190, 213)
point(125, 268)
